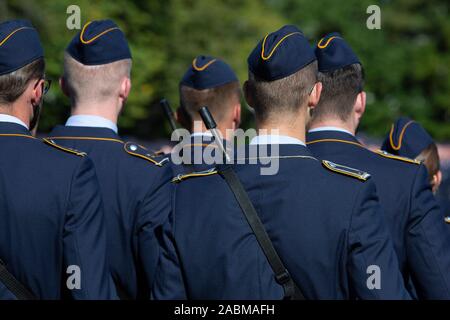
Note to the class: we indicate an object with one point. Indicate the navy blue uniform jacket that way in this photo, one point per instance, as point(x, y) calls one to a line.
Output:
point(51, 218)
point(421, 237)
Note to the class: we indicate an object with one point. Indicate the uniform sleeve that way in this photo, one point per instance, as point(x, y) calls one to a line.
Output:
point(373, 266)
point(86, 270)
point(428, 241)
point(169, 283)
point(153, 212)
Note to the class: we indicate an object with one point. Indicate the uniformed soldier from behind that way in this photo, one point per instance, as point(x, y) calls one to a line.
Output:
point(208, 82)
point(323, 219)
point(97, 66)
point(52, 235)
point(407, 138)
point(417, 227)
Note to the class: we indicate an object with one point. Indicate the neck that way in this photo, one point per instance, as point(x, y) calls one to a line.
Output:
point(18, 110)
point(292, 127)
point(333, 123)
point(225, 130)
point(105, 110)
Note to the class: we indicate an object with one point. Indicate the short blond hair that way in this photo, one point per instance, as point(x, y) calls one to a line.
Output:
point(94, 83)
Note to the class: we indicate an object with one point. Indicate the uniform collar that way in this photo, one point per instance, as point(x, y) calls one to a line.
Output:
point(91, 121)
point(88, 132)
point(330, 128)
point(330, 136)
point(13, 129)
point(12, 119)
point(275, 139)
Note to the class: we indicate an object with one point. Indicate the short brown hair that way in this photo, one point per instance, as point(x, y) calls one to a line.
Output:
point(430, 158)
point(339, 91)
point(94, 82)
point(14, 84)
point(218, 99)
point(283, 95)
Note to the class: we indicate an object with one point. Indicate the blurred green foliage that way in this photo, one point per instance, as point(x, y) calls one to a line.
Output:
point(407, 62)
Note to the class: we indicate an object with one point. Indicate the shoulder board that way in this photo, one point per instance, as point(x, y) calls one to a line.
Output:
point(392, 156)
point(355, 173)
point(141, 152)
point(204, 173)
point(447, 219)
point(52, 143)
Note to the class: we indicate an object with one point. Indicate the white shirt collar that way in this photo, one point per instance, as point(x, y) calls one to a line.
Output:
point(330, 128)
point(91, 121)
point(8, 118)
point(201, 134)
point(275, 139)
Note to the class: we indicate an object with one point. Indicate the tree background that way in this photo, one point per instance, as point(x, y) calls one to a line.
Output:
point(407, 62)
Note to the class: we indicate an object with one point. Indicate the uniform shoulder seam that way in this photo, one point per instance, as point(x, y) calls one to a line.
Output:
point(52, 143)
point(395, 157)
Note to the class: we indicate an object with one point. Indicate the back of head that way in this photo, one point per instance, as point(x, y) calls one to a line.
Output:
point(21, 60)
point(96, 62)
point(208, 82)
point(407, 138)
point(282, 74)
point(342, 77)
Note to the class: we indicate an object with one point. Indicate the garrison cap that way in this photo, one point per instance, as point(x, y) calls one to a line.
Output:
point(407, 138)
point(280, 54)
point(19, 45)
point(334, 53)
point(99, 42)
point(208, 72)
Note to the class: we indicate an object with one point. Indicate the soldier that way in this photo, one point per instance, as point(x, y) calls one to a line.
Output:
point(208, 82)
point(97, 66)
point(323, 219)
point(419, 233)
point(409, 139)
point(52, 236)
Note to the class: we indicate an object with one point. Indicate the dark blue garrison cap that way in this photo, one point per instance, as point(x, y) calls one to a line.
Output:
point(407, 138)
point(334, 53)
point(99, 42)
point(19, 45)
point(208, 72)
point(280, 54)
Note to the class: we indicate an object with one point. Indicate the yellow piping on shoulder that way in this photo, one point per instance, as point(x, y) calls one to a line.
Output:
point(53, 144)
point(86, 138)
point(351, 172)
point(392, 156)
point(16, 135)
point(205, 173)
point(336, 140)
point(142, 156)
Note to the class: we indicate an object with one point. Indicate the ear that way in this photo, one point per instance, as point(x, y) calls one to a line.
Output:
point(436, 182)
point(237, 115)
point(360, 105)
point(37, 92)
point(183, 119)
point(248, 97)
point(314, 96)
point(125, 88)
point(63, 86)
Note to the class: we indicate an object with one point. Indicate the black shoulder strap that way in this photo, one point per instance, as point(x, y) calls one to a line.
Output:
point(282, 276)
point(13, 285)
